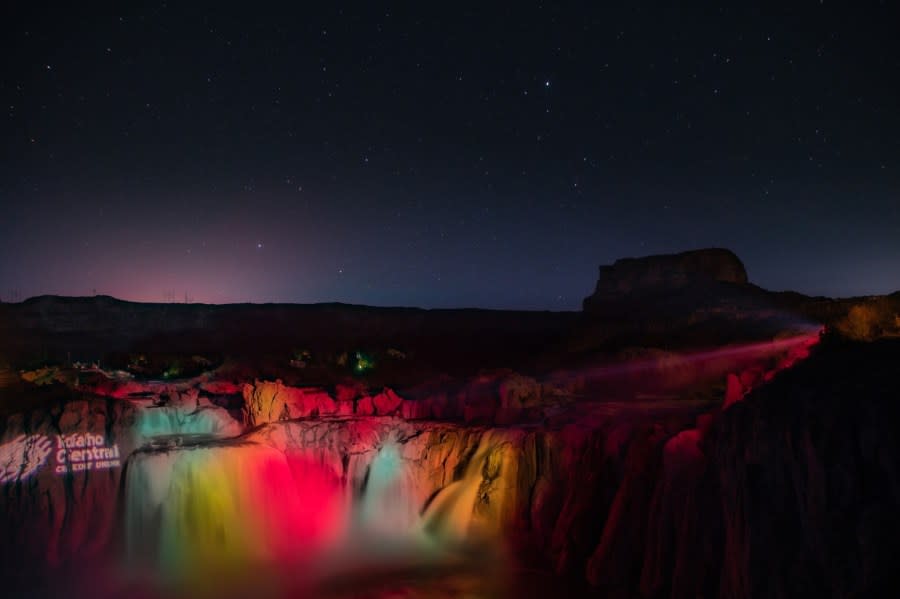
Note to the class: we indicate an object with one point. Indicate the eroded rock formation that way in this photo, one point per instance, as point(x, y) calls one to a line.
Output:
point(274, 401)
point(700, 298)
point(629, 276)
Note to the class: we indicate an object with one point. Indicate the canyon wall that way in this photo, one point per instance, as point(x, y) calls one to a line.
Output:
point(792, 483)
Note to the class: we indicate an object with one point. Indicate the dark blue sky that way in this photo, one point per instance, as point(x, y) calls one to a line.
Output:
point(447, 157)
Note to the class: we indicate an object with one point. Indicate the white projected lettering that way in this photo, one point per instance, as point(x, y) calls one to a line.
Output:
point(81, 452)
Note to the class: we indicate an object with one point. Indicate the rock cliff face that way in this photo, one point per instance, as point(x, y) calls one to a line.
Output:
point(570, 484)
point(807, 474)
point(48, 516)
point(697, 298)
point(651, 499)
point(669, 271)
point(792, 488)
point(600, 491)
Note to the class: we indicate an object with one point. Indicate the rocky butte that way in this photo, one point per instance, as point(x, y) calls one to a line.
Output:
point(633, 276)
point(688, 434)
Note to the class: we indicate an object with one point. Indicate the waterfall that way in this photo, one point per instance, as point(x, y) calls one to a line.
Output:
point(389, 503)
point(450, 517)
point(197, 514)
point(222, 502)
point(159, 424)
point(195, 508)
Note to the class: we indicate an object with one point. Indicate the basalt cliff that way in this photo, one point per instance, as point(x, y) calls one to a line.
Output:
point(562, 451)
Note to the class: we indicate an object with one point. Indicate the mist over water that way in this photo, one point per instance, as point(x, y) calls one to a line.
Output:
point(214, 517)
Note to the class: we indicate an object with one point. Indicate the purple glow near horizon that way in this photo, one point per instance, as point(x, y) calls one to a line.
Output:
point(411, 158)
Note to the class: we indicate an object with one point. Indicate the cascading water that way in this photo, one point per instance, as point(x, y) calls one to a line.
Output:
point(209, 420)
point(389, 501)
point(449, 515)
point(193, 512)
point(461, 513)
point(195, 508)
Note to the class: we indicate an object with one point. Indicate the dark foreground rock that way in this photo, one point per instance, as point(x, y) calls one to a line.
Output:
point(808, 473)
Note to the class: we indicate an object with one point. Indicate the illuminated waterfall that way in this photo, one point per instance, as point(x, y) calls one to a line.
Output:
point(461, 512)
point(389, 503)
point(449, 515)
point(165, 423)
point(194, 509)
point(196, 514)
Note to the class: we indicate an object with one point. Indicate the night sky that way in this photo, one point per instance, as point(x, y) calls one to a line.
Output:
point(446, 157)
